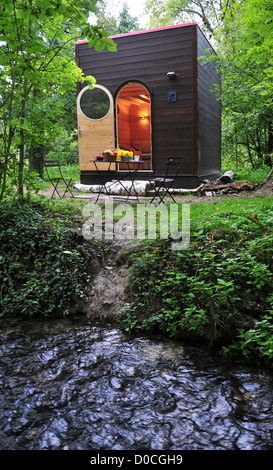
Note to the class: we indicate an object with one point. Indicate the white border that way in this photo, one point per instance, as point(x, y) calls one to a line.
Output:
point(111, 107)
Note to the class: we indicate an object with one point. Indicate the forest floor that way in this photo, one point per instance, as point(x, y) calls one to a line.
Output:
point(208, 193)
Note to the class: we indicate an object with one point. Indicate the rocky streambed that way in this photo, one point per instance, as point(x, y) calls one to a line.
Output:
point(73, 385)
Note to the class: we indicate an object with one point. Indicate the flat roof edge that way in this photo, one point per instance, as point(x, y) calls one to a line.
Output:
point(145, 31)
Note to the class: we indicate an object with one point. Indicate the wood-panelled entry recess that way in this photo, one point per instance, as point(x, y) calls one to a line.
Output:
point(95, 112)
point(133, 111)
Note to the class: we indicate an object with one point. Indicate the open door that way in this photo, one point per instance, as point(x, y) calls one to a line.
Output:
point(134, 121)
point(95, 124)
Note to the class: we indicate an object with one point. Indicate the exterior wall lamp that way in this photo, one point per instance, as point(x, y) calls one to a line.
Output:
point(171, 75)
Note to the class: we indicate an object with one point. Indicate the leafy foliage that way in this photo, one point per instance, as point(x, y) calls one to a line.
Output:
point(124, 23)
point(36, 67)
point(247, 70)
point(208, 13)
point(219, 291)
point(43, 270)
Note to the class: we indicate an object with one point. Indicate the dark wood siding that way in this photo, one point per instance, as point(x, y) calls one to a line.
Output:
point(147, 57)
point(209, 113)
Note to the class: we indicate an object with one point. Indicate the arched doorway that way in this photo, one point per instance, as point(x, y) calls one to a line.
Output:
point(133, 111)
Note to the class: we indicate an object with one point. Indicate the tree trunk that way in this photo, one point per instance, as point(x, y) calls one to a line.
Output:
point(268, 161)
point(249, 153)
point(270, 142)
point(3, 176)
point(22, 143)
point(3, 173)
point(8, 133)
point(21, 163)
point(36, 158)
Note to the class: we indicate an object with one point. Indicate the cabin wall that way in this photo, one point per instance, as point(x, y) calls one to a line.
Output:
point(147, 57)
point(209, 113)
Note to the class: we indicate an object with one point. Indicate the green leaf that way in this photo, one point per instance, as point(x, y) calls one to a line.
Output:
point(50, 12)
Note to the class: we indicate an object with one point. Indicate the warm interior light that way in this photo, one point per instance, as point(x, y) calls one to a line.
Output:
point(143, 117)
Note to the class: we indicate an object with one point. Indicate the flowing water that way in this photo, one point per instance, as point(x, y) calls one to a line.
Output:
point(76, 386)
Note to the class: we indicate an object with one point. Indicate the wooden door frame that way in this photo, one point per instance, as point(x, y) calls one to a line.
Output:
point(149, 91)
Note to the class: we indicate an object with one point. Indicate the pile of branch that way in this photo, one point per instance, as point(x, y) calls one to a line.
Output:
point(229, 187)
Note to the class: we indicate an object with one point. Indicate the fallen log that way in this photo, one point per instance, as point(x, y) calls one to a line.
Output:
point(227, 177)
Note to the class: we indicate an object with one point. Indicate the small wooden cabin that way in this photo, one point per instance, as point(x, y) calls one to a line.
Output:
point(155, 96)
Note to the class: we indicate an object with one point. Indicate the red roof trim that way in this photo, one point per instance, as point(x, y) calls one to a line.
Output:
point(163, 28)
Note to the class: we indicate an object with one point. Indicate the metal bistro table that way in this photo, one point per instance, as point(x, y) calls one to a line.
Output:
point(132, 168)
point(104, 168)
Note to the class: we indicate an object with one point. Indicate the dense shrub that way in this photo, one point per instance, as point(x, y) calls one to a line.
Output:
point(66, 149)
point(218, 291)
point(43, 270)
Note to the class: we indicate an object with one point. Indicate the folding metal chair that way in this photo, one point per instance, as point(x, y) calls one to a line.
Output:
point(55, 181)
point(163, 185)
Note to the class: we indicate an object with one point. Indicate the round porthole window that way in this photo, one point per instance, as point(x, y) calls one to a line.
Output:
point(95, 104)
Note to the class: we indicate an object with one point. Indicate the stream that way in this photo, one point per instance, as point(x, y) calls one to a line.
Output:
point(73, 385)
